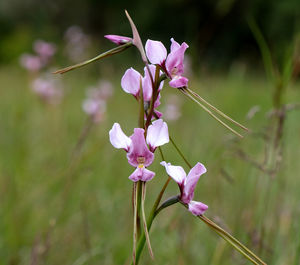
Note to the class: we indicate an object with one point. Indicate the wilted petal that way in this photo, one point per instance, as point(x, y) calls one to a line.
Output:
point(118, 138)
point(157, 134)
point(141, 173)
point(197, 208)
point(156, 51)
point(119, 40)
point(131, 82)
point(139, 152)
point(178, 81)
point(175, 172)
point(191, 181)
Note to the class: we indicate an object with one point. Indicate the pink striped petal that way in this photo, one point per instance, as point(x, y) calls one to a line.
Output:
point(191, 181)
point(156, 52)
point(118, 138)
point(197, 208)
point(131, 82)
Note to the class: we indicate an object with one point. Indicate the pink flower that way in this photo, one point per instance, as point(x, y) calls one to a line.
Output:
point(172, 64)
point(119, 40)
point(48, 89)
point(30, 62)
point(187, 184)
point(131, 83)
point(44, 49)
point(139, 155)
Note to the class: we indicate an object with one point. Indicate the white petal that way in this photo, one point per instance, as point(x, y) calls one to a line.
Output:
point(118, 138)
point(157, 134)
point(175, 172)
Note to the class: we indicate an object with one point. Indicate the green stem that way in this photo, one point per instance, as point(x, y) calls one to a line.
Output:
point(134, 222)
point(185, 92)
point(216, 110)
point(180, 153)
point(237, 243)
point(108, 53)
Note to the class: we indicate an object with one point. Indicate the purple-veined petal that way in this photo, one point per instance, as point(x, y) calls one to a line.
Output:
point(175, 172)
point(155, 51)
point(119, 40)
point(131, 82)
point(141, 173)
point(174, 45)
point(191, 181)
point(178, 81)
point(118, 138)
point(157, 134)
point(174, 61)
point(197, 208)
point(139, 152)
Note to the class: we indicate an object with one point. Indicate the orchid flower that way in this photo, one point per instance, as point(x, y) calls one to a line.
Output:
point(139, 155)
point(131, 83)
point(119, 40)
point(172, 63)
point(187, 184)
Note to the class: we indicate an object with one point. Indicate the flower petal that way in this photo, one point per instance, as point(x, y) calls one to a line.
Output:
point(147, 84)
point(157, 134)
point(178, 81)
point(175, 172)
point(197, 208)
point(119, 40)
point(118, 138)
point(174, 45)
point(131, 82)
point(139, 152)
point(141, 173)
point(174, 62)
point(156, 52)
point(191, 181)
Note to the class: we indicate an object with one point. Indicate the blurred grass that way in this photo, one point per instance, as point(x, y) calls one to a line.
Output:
point(54, 213)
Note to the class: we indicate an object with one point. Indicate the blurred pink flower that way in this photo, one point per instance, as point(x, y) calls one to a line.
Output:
point(44, 49)
point(171, 63)
point(77, 43)
point(139, 155)
point(49, 90)
point(187, 184)
point(31, 62)
point(119, 40)
point(172, 108)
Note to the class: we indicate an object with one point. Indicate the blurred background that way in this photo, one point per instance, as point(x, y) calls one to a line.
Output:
point(64, 193)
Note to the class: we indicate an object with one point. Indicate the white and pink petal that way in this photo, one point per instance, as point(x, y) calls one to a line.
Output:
point(118, 138)
point(157, 134)
point(156, 52)
point(131, 82)
point(197, 208)
point(175, 172)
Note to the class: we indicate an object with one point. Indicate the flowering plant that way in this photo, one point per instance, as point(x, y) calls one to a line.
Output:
point(152, 132)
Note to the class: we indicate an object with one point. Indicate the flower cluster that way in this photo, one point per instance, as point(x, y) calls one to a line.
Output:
point(140, 155)
point(140, 147)
point(44, 51)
